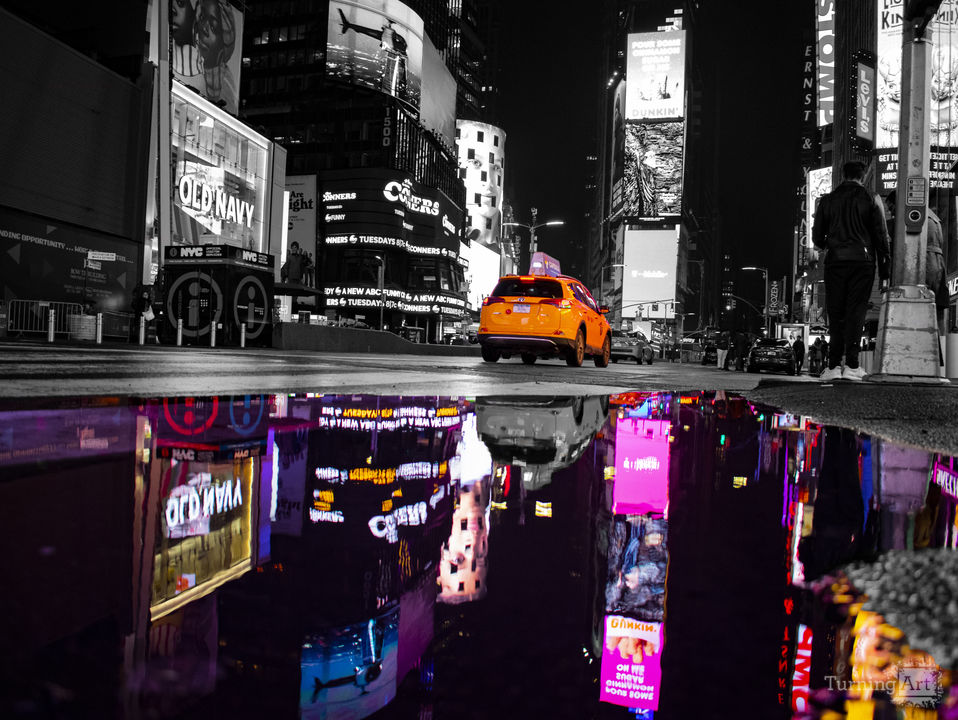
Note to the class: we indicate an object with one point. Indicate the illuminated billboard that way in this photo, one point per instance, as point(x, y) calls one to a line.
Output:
point(438, 94)
point(302, 211)
point(377, 44)
point(825, 31)
point(655, 76)
point(819, 184)
point(481, 150)
point(649, 276)
point(943, 116)
point(219, 194)
point(618, 147)
point(641, 466)
point(482, 273)
point(654, 154)
point(206, 49)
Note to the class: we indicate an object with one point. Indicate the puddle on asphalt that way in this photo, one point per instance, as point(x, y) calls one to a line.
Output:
point(339, 556)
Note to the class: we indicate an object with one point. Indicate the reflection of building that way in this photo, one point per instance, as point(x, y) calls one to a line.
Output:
point(463, 564)
point(381, 153)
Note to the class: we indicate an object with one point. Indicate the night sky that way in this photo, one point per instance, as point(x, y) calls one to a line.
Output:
point(550, 83)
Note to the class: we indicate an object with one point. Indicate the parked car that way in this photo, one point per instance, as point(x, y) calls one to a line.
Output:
point(539, 316)
point(772, 354)
point(631, 346)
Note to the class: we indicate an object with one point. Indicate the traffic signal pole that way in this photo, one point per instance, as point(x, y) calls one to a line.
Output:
point(907, 344)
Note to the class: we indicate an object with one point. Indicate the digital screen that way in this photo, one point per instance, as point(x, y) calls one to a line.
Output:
point(653, 170)
point(377, 44)
point(641, 466)
point(438, 94)
point(819, 184)
point(350, 671)
point(649, 276)
point(302, 211)
point(482, 273)
point(655, 76)
point(618, 146)
point(631, 672)
point(206, 49)
point(638, 562)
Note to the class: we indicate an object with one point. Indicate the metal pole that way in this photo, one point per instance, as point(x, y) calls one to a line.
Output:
point(242, 335)
point(142, 329)
point(179, 332)
point(213, 334)
point(382, 295)
point(99, 328)
point(765, 305)
point(51, 324)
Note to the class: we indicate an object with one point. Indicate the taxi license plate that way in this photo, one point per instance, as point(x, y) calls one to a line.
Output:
point(520, 308)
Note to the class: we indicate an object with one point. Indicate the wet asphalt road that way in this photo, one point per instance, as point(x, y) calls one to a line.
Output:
point(916, 415)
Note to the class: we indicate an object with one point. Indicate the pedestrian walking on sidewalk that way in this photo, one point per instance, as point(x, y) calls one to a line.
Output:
point(850, 229)
point(815, 357)
point(798, 347)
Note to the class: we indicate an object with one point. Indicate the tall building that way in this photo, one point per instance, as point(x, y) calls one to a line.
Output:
point(365, 101)
point(653, 242)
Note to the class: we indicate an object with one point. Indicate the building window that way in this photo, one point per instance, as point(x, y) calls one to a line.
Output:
point(458, 133)
point(453, 568)
point(484, 175)
point(488, 223)
point(480, 136)
point(463, 524)
point(471, 154)
point(492, 158)
point(495, 140)
point(462, 587)
point(462, 173)
point(477, 199)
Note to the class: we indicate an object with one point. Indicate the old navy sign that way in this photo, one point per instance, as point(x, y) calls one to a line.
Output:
point(214, 202)
point(947, 480)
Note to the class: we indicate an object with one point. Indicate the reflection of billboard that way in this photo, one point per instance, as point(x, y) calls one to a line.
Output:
point(638, 558)
point(653, 170)
point(631, 673)
point(464, 563)
point(655, 76)
point(819, 183)
point(482, 155)
point(943, 116)
point(438, 94)
point(350, 671)
point(618, 146)
point(648, 280)
point(206, 49)
point(377, 44)
point(641, 466)
point(302, 211)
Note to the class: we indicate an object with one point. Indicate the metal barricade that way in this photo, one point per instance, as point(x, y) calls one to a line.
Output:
point(117, 325)
point(32, 316)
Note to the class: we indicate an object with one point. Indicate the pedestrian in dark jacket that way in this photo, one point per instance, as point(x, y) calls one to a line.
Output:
point(798, 347)
point(850, 228)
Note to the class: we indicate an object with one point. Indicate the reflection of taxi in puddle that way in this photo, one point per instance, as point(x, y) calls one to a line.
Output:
point(539, 434)
point(537, 316)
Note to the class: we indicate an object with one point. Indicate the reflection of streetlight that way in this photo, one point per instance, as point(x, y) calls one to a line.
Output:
point(532, 229)
point(764, 272)
point(382, 278)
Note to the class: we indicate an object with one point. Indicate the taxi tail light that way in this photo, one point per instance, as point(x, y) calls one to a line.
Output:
point(561, 303)
point(491, 300)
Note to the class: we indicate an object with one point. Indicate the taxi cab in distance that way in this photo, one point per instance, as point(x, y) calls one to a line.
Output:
point(542, 316)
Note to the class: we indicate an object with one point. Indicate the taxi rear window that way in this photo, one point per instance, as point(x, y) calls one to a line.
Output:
point(542, 288)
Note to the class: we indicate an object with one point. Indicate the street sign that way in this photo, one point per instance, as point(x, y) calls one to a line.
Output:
point(97, 255)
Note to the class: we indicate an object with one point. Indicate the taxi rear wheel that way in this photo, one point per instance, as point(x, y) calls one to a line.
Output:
point(576, 353)
point(490, 354)
point(528, 358)
point(602, 359)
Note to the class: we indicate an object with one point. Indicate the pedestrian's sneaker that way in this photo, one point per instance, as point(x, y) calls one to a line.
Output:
point(856, 374)
point(831, 374)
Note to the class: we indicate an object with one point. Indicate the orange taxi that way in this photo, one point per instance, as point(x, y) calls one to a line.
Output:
point(542, 316)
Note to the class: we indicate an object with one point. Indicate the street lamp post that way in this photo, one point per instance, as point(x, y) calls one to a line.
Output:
point(382, 280)
point(532, 229)
point(765, 314)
